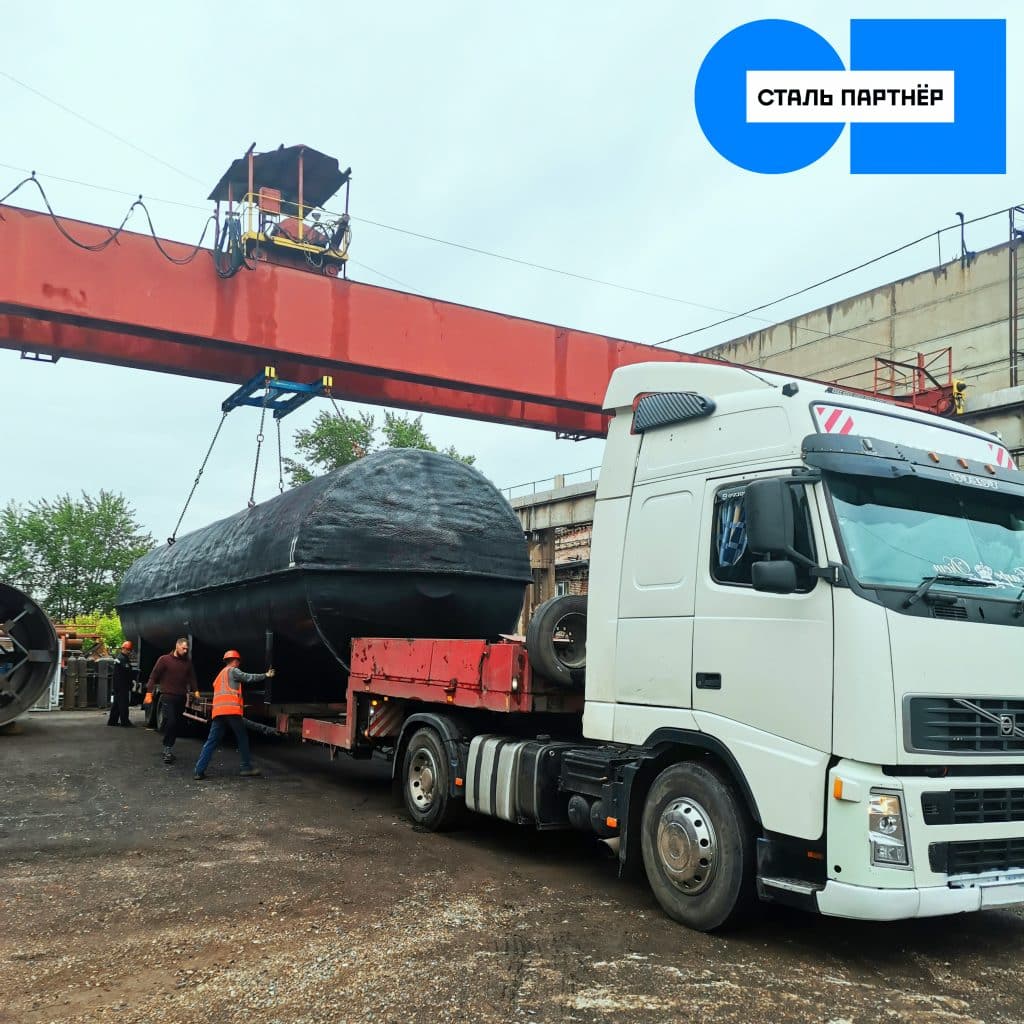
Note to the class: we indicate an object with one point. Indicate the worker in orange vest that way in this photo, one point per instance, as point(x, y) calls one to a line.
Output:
point(228, 707)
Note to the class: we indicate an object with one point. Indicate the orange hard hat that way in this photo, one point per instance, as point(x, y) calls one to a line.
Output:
point(229, 655)
point(126, 646)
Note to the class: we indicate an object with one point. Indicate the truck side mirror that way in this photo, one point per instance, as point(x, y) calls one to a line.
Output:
point(774, 577)
point(768, 506)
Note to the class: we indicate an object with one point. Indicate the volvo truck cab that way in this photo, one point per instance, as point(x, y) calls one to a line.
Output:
point(805, 627)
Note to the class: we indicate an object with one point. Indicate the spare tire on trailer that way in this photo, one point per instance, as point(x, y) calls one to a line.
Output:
point(556, 640)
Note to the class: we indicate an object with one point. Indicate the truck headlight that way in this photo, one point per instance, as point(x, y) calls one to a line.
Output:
point(886, 830)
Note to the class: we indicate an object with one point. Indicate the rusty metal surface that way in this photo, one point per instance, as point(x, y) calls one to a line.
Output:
point(448, 358)
point(458, 673)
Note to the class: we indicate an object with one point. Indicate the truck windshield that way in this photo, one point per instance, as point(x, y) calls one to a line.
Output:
point(898, 532)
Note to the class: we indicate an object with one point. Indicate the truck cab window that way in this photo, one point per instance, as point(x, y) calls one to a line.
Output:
point(731, 557)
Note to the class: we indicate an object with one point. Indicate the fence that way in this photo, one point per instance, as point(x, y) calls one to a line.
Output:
point(551, 483)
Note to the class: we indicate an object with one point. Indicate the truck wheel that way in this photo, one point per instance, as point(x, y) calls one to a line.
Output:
point(556, 639)
point(698, 847)
point(426, 783)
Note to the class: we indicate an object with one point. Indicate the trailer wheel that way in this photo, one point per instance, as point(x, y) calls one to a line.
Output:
point(698, 847)
point(426, 783)
point(556, 639)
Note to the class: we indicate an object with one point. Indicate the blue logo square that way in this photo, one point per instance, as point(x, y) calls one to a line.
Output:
point(975, 142)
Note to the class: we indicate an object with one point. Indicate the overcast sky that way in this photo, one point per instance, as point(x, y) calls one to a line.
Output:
point(560, 133)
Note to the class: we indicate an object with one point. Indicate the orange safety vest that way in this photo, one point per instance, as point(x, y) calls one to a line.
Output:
point(227, 697)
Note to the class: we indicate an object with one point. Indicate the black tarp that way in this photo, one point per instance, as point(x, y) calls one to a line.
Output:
point(400, 543)
point(396, 511)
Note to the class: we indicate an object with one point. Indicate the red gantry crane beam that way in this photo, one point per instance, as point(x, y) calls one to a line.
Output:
point(130, 306)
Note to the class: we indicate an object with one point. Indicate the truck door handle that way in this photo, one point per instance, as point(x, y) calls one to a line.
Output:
point(709, 680)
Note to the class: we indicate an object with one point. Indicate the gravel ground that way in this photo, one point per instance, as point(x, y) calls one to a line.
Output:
point(131, 893)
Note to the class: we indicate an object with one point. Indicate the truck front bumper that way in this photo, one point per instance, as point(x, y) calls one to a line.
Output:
point(840, 899)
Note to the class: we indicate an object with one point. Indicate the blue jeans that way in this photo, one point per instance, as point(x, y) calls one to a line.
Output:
point(220, 726)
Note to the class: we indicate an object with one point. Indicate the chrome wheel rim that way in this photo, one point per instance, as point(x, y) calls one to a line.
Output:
point(421, 779)
point(687, 846)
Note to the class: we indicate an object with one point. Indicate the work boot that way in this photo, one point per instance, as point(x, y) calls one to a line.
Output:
point(250, 773)
point(168, 756)
point(199, 776)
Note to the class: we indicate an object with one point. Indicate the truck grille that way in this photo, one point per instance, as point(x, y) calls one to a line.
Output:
point(974, 857)
point(973, 806)
point(967, 725)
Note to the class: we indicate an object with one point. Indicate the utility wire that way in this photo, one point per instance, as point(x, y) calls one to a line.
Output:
point(827, 280)
point(98, 247)
point(731, 316)
point(393, 280)
point(539, 266)
point(197, 248)
point(179, 261)
point(112, 233)
point(105, 188)
point(98, 127)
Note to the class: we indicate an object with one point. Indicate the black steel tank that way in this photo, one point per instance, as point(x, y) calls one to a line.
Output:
point(28, 652)
point(400, 543)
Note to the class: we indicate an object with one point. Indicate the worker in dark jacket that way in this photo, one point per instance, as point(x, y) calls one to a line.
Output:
point(228, 707)
point(122, 686)
point(174, 676)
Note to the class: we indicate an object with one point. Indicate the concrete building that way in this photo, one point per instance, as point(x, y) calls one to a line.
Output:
point(964, 315)
point(557, 522)
point(962, 318)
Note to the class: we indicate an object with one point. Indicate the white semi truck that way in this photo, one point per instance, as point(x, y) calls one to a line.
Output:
point(803, 635)
point(805, 616)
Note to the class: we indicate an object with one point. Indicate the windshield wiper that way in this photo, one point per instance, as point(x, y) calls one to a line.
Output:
point(929, 581)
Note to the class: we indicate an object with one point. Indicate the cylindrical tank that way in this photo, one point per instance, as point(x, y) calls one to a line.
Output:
point(399, 543)
point(28, 652)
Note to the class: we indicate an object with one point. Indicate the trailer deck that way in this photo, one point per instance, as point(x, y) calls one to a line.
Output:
point(389, 674)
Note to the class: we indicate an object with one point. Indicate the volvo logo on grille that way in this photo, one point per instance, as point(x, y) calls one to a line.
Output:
point(1007, 725)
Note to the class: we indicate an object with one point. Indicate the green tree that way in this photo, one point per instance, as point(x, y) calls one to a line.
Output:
point(335, 441)
point(108, 626)
point(69, 553)
point(408, 432)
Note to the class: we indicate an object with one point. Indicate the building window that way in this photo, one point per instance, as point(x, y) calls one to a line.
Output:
point(562, 588)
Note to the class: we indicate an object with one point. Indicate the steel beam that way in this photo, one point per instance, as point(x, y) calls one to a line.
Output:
point(568, 506)
point(61, 340)
point(434, 355)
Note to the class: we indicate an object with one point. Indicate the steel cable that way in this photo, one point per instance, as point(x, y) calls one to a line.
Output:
point(259, 447)
point(195, 483)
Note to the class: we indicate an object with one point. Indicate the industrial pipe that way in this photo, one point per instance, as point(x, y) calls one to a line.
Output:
point(28, 653)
